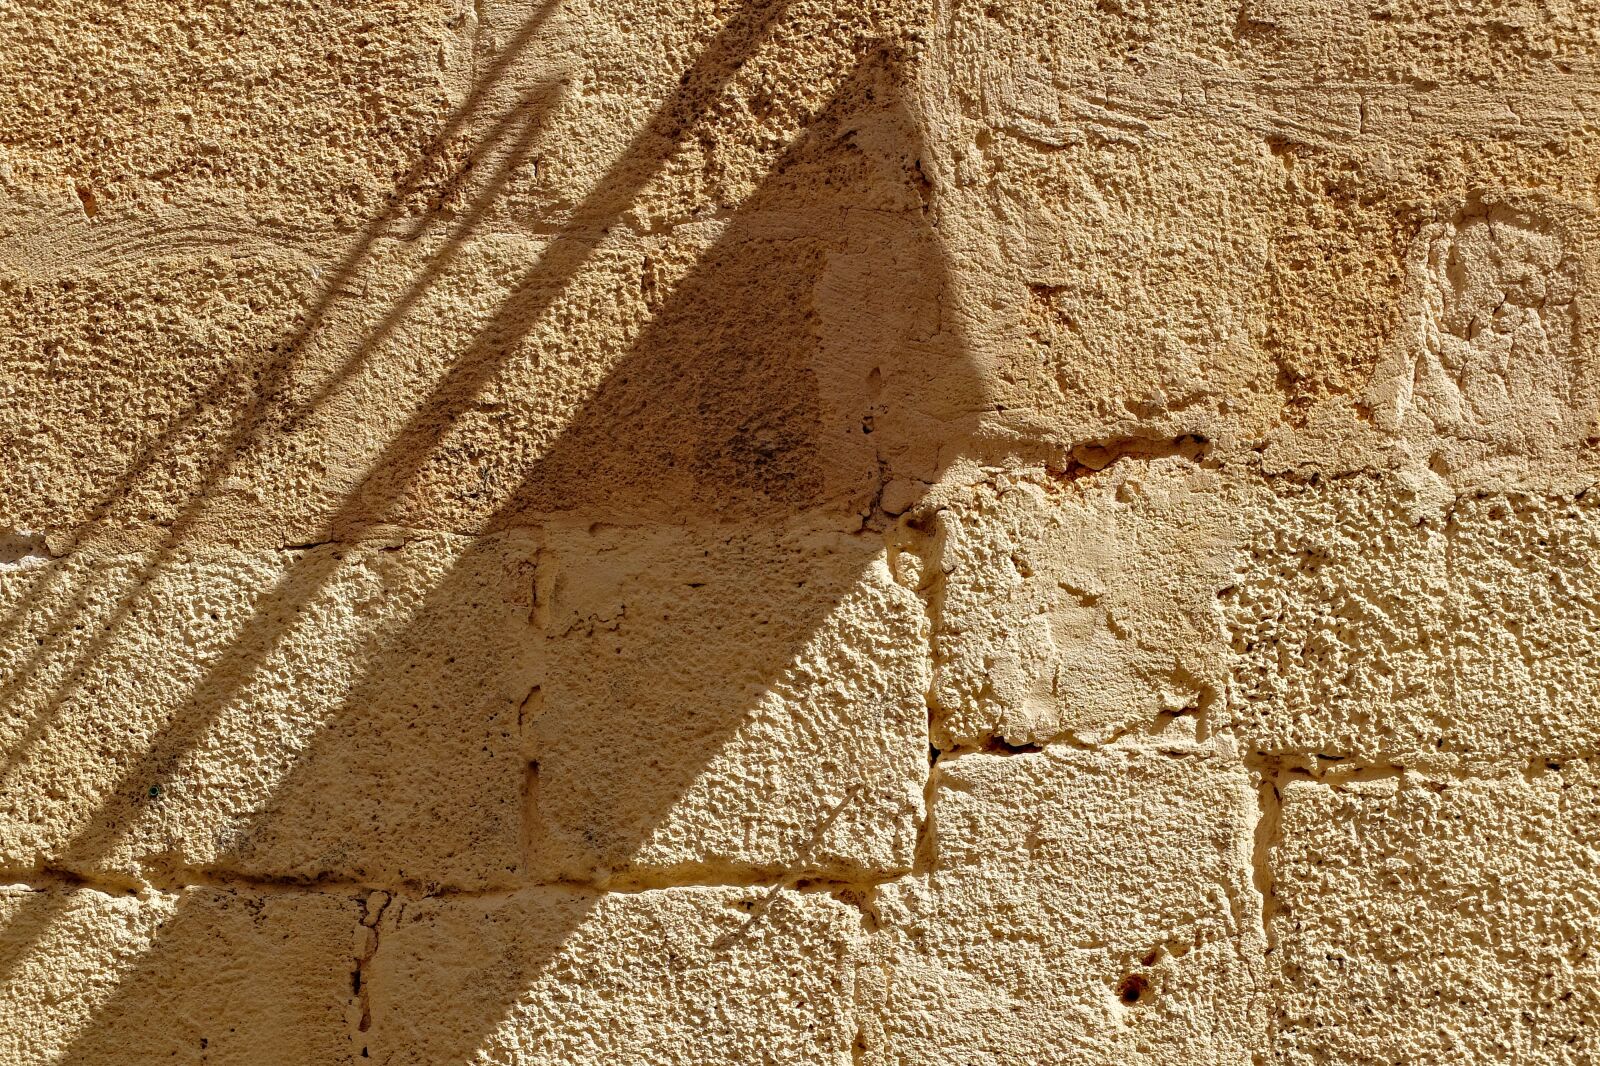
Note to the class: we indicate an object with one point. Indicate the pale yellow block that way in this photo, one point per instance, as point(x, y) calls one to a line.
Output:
point(1338, 620)
point(674, 977)
point(1378, 618)
point(1525, 617)
point(291, 118)
point(203, 976)
point(337, 712)
point(720, 701)
point(1080, 606)
point(1117, 293)
point(1082, 907)
point(1208, 218)
point(1438, 919)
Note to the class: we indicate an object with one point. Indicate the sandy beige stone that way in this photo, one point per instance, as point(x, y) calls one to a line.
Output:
point(652, 113)
point(1216, 219)
point(1081, 907)
point(1524, 618)
point(725, 701)
point(680, 976)
point(344, 712)
point(1437, 919)
point(123, 390)
point(1379, 618)
point(852, 531)
point(1337, 620)
point(201, 976)
point(189, 117)
point(1081, 603)
point(1409, 44)
point(789, 358)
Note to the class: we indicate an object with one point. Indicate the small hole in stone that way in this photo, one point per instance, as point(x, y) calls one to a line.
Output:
point(1132, 988)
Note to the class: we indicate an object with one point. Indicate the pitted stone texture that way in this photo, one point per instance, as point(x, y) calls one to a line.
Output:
point(203, 976)
point(661, 112)
point(683, 977)
point(342, 711)
point(1525, 618)
point(1455, 306)
point(1083, 606)
point(1373, 617)
point(726, 699)
point(790, 358)
point(123, 391)
point(1216, 219)
point(164, 116)
point(1438, 919)
point(1082, 907)
point(1337, 620)
point(1412, 44)
point(1117, 295)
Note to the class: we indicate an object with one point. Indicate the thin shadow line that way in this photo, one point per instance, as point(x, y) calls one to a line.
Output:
point(704, 81)
point(278, 370)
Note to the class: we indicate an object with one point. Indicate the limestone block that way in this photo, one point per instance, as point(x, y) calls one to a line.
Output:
point(1493, 355)
point(1217, 219)
point(1119, 292)
point(342, 711)
point(123, 391)
point(1373, 617)
point(1082, 907)
point(1438, 920)
point(739, 368)
point(1445, 262)
point(1419, 43)
point(1338, 620)
point(203, 976)
point(723, 701)
point(204, 118)
point(674, 976)
point(1084, 606)
point(1413, 44)
point(651, 114)
point(1525, 622)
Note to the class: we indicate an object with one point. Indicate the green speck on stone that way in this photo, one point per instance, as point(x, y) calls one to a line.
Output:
point(155, 792)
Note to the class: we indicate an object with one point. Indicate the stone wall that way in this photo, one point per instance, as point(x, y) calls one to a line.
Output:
point(803, 531)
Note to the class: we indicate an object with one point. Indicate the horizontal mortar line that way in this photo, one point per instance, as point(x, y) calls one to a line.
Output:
point(1483, 766)
point(117, 244)
point(134, 541)
point(1127, 740)
point(1341, 768)
point(46, 881)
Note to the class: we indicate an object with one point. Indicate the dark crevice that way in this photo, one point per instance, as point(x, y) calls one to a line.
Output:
point(1093, 457)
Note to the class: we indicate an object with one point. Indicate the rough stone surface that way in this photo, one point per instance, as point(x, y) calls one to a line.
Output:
point(1082, 606)
point(679, 975)
point(340, 711)
point(851, 531)
point(1034, 936)
point(1438, 918)
point(203, 975)
point(678, 662)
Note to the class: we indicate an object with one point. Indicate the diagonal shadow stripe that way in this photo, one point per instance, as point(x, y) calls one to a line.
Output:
point(702, 82)
point(720, 339)
point(100, 521)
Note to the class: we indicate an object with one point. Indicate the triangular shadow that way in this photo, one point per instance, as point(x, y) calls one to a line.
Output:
point(765, 405)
